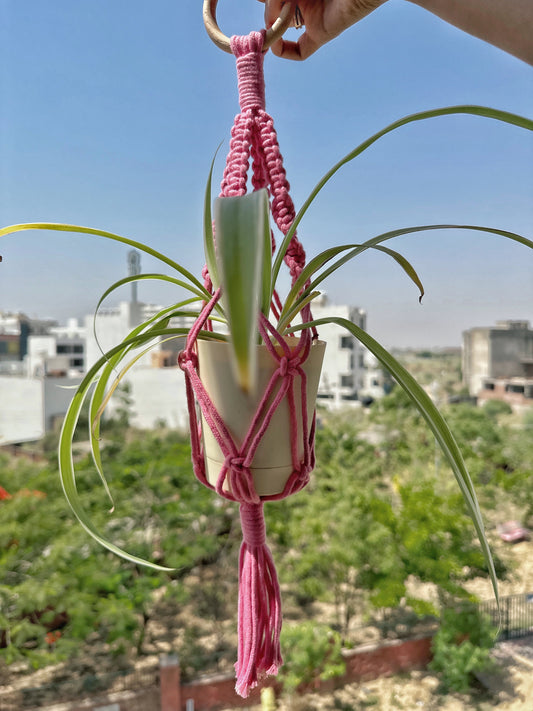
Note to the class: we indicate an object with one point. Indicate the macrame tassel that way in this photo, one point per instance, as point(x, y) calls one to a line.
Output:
point(259, 616)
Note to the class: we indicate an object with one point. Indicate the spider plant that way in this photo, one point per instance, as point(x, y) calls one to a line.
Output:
point(238, 256)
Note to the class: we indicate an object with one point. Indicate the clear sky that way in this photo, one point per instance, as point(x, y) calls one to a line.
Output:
point(110, 113)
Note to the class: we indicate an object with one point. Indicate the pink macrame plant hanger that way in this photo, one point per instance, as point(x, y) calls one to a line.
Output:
point(259, 608)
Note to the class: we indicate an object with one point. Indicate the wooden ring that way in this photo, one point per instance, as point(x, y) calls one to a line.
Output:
point(222, 42)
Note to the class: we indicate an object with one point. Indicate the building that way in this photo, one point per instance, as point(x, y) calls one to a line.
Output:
point(34, 398)
point(14, 333)
point(39, 368)
point(60, 352)
point(498, 362)
point(351, 375)
point(31, 407)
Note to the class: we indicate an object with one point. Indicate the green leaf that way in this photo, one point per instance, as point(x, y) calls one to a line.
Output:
point(297, 294)
point(209, 238)
point(60, 227)
point(436, 423)
point(159, 322)
point(240, 233)
point(482, 111)
point(406, 266)
point(266, 281)
point(202, 294)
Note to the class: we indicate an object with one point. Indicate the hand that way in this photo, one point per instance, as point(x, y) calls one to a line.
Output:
point(323, 20)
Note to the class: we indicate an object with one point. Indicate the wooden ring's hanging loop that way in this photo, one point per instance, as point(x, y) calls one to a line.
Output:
point(272, 35)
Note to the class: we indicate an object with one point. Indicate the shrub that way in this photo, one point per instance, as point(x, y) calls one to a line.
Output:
point(312, 652)
point(462, 647)
point(495, 408)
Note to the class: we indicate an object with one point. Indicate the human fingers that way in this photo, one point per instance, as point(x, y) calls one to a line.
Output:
point(298, 51)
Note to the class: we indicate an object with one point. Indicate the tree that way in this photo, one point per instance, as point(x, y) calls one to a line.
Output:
point(363, 527)
point(55, 577)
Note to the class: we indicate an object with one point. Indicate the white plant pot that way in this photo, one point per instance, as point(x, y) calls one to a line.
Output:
point(272, 462)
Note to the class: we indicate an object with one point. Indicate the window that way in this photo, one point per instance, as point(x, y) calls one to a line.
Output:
point(347, 342)
point(78, 348)
point(346, 381)
point(510, 388)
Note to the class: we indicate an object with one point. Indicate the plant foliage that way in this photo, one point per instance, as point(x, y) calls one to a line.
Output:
point(461, 647)
point(312, 651)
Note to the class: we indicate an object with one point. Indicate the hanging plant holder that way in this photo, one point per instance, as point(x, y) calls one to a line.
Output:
point(258, 444)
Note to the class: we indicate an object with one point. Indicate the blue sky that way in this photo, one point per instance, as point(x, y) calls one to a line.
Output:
point(110, 113)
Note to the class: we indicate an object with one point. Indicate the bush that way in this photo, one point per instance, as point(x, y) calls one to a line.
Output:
point(462, 647)
point(495, 408)
point(312, 652)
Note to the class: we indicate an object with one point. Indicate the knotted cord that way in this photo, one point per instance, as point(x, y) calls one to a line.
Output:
point(259, 615)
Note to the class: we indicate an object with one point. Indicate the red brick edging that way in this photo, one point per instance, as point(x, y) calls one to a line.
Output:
point(367, 662)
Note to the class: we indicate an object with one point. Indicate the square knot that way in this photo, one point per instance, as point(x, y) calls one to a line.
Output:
point(234, 464)
point(185, 357)
point(288, 366)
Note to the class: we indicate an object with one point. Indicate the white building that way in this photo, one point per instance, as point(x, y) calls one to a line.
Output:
point(33, 402)
point(62, 351)
point(31, 407)
point(350, 374)
point(156, 386)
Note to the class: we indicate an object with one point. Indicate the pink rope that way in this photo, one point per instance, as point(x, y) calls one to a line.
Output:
point(259, 608)
point(259, 625)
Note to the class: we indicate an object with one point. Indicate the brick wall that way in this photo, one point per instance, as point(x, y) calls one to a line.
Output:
point(372, 661)
point(368, 662)
point(215, 693)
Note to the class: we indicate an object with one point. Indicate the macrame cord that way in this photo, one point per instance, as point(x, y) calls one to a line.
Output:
point(259, 608)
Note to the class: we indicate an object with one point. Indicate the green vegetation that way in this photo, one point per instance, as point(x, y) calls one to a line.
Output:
point(461, 648)
point(380, 516)
point(56, 577)
point(313, 652)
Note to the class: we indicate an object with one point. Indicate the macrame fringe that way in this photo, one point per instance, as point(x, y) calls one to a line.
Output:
point(259, 614)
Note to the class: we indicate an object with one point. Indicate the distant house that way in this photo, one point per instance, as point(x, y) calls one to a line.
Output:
point(35, 377)
point(14, 333)
point(45, 357)
point(58, 352)
point(351, 375)
point(498, 363)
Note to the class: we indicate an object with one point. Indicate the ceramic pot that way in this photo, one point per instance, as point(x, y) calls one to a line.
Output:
point(272, 463)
